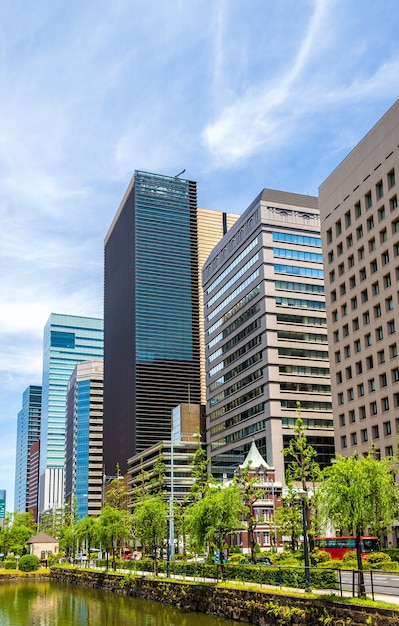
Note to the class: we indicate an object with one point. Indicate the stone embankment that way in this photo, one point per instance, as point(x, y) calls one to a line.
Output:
point(243, 605)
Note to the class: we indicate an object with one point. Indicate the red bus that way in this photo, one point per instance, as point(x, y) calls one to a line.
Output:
point(338, 546)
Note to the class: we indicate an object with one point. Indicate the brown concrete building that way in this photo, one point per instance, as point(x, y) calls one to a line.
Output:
point(360, 230)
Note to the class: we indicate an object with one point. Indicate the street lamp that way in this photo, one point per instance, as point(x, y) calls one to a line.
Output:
point(302, 495)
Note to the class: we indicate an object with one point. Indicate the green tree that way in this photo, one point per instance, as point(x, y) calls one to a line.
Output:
point(87, 530)
point(17, 529)
point(150, 525)
point(302, 468)
point(289, 517)
point(216, 516)
point(117, 494)
point(114, 526)
point(358, 493)
point(250, 492)
point(202, 478)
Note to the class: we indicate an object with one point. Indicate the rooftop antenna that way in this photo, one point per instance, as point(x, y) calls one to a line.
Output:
point(180, 173)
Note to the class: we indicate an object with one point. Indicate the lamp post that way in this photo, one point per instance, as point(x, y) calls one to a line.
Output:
point(308, 586)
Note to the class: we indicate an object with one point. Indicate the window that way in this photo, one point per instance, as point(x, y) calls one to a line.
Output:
point(354, 303)
point(367, 340)
point(383, 380)
point(349, 241)
point(332, 276)
point(362, 412)
point(376, 288)
point(371, 383)
point(385, 257)
point(350, 394)
point(363, 274)
point(381, 356)
point(351, 260)
point(342, 289)
point(389, 303)
point(378, 333)
point(357, 345)
point(352, 282)
point(372, 244)
point(387, 280)
point(364, 435)
point(366, 317)
point(391, 327)
point(373, 266)
point(364, 295)
point(341, 269)
point(334, 315)
point(345, 330)
point(395, 226)
point(387, 428)
point(367, 199)
point(393, 203)
point(375, 432)
point(360, 390)
point(359, 367)
point(373, 408)
point(396, 249)
point(340, 249)
point(348, 372)
point(344, 443)
point(348, 219)
point(353, 439)
point(347, 351)
point(360, 253)
point(338, 227)
point(341, 398)
point(344, 310)
point(391, 178)
point(331, 257)
point(383, 235)
point(352, 416)
point(393, 351)
point(385, 407)
point(333, 295)
point(381, 214)
point(369, 363)
point(359, 232)
point(329, 235)
point(358, 209)
point(389, 451)
point(370, 223)
point(377, 310)
point(379, 189)
point(336, 336)
point(395, 375)
point(339, 377)
point(355, 323)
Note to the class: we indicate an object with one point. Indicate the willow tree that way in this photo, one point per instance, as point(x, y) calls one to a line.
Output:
point(357, 494)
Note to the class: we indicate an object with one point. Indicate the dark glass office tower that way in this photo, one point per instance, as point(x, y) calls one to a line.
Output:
point(151, 314)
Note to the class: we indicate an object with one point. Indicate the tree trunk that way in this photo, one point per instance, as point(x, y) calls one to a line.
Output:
point(361, 585)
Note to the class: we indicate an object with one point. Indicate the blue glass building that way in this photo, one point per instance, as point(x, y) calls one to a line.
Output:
point(151, 314)
point(28, 431)
point(68, 340)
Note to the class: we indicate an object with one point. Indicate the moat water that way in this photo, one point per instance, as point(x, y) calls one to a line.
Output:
point(52, 604)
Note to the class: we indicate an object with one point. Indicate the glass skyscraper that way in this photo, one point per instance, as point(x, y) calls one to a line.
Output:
point(28, 431)
point(68, 340)
point(151, 313)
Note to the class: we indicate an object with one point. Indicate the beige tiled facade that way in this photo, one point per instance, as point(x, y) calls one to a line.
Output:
point(360, 230)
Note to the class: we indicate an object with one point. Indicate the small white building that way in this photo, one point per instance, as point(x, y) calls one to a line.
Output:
point(42, 545)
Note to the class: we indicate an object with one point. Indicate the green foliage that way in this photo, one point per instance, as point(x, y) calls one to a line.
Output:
point(393, 553)
point(250, 493)
point(289, 517)
point(199, 472)
point(29, 563)
point(150, 525)
point(17, 529)
point(116, 494)
point(113, 527)
point(319, 556)
point(379, 560)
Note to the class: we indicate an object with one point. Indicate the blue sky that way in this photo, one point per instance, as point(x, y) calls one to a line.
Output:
point(243, 94)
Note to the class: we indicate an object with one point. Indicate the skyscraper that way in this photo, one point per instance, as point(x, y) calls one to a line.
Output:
point(28, 432)
point(265, 334)
point(151, 313)
point(68, 340)
point(360, 228)
point(84, 438)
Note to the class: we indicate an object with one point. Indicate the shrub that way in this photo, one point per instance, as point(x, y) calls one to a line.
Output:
point(29, 563)
point(379, 560)
point(320, 556)
point(235, 559)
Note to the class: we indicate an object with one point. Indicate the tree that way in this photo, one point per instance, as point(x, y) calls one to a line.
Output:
point(17, 529)
point(250, 493)
point(302, 467)
point(114, 526)
point(216, 516)
point(199, 472)
point(150, 525)
point(289, 517)
point(68, 531)
point(357, 493)
point(116, 494)
point(87, 530)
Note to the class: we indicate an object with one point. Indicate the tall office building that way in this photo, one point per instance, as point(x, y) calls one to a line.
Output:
point(265, 334)
point(360, 229)
point(84, 438)
point(152, 312)
point(33, 479)
point(68, 340)
point(28, 432)
point(3, 495)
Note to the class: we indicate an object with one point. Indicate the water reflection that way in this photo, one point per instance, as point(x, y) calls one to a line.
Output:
point(50, 604)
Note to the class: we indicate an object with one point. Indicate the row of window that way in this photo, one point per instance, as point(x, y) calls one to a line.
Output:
point(297, 335)
point(233, 279)
point(233, 295)
point(383, 378)
point(243, 382)
point(295, 270)
point(298, 255)
point(236, 402)
point(373, 406)
point(381, 355)
point(236, 324)
point(254, 358)
point(373, 267)
point(364, 296)
point(285, 285)
point(301, 303)
point(236, 355)
point(232, 265)
point(237, 307)
point(245, 332)
point(306, 320)
point(368, 338)
point(302, 240)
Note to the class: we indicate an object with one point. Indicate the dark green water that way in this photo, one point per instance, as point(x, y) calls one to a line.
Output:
point(50, 604)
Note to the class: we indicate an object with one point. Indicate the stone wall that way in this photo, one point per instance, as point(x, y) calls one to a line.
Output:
point(254, 607)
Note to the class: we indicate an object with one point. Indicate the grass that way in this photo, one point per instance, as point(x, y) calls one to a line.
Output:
point(42, 571)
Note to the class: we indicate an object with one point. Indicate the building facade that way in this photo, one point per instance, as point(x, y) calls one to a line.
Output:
point(152, 316)
point(265, 334)
point(360, 230)
point(68, 340)
point(28, 432)
point(33, 499)
point(84, 438)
